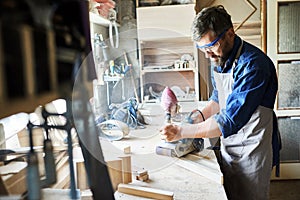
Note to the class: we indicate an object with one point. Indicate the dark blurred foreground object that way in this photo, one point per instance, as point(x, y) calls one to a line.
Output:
point(66, 23)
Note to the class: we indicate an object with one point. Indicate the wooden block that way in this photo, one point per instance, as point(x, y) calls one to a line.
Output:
point(13, 178)
point(86, 195)
point(127, 150)
point(115, 172)
point(141, 175)
point(126, 169)
point(142, 178)
point(145, 192)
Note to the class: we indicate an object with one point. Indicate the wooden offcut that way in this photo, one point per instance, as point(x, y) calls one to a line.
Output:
point(142, 175)
point(13, 178)
point(145, 192)
point(127, 150)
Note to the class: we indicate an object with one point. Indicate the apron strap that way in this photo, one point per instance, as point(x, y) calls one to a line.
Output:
point(276, 145)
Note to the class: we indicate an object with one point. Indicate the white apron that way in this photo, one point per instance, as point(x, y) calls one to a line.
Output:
point(247, 155)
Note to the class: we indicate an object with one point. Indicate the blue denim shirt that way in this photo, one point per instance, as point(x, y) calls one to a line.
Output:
point(255, 83)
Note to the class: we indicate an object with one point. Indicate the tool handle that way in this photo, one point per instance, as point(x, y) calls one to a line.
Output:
point(168, 118)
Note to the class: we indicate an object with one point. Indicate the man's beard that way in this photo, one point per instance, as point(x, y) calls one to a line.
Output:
point(217, 61)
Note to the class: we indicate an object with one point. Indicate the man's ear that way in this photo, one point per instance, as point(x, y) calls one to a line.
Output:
point(230, 33)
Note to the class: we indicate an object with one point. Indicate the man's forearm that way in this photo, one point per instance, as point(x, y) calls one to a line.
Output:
point(209, 110)
point(207, 129)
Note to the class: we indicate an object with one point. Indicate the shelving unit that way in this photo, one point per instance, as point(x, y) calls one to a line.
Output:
point(163, 39)
point(283, 48)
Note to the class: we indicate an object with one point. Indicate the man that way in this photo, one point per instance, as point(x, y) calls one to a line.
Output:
point(240, 109)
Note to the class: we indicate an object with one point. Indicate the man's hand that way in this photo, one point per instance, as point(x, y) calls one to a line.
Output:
point(171, 132)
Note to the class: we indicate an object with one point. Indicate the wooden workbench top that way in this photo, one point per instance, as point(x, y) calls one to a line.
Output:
point(195, 176)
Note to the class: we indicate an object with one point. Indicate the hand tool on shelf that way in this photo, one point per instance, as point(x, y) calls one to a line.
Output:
point(112, 16)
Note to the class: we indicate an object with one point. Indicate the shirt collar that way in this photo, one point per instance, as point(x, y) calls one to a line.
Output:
point(230, 60)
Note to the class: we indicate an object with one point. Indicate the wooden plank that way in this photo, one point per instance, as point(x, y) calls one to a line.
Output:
point(82, 182)
point(202, 165)
point(115, 172)
point(13, 178)
point(126, 169)
point(145, 192)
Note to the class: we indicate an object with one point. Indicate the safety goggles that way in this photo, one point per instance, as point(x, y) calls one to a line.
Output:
point(214, 45)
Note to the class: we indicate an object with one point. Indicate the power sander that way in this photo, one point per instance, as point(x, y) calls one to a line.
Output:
point(183, 146)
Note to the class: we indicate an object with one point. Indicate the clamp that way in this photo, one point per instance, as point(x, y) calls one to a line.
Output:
point(113, 25)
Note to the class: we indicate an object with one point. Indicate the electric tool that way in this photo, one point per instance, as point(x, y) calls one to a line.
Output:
point(183, 146)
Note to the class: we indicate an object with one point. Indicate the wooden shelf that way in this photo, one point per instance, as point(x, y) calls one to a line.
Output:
point(166, 70)
point(97, 19)
point(24, 104)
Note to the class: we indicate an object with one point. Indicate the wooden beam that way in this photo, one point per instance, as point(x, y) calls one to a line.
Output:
point(145, 192)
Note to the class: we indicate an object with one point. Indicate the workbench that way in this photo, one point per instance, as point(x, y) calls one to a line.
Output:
point(196, 176)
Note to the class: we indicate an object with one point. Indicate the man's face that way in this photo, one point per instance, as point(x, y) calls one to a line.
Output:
point(216, 48)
